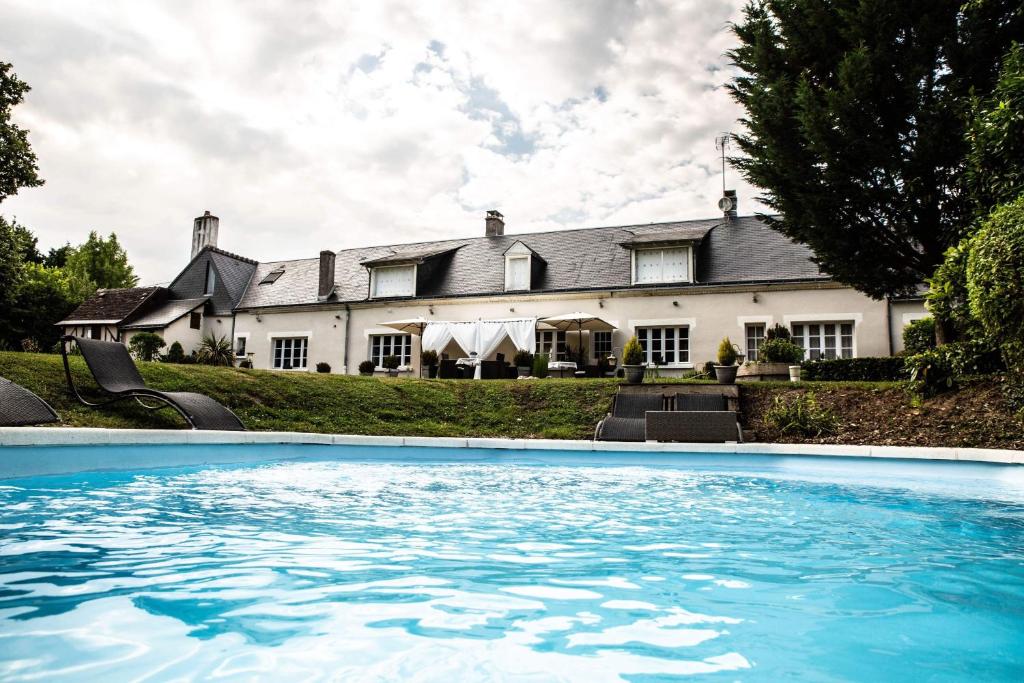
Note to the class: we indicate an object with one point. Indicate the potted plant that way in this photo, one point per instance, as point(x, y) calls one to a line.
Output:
point(367, 367)
point(428, 360)
point(391, 363)
point(775, 357)
point(726, 369)
point(633, 361)
point(524, 362)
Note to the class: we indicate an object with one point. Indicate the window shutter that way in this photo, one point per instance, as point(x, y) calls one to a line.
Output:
point(675, 265)
point(393, 281)
point(519, 273)
point(648, 265)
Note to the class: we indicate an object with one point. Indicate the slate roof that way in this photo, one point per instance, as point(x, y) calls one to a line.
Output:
point(233, 275)
point(416, 254)
point(166, 314)
point(111, 305)
point(741, 250)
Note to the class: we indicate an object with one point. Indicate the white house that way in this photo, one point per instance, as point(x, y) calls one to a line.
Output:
point(680, 287)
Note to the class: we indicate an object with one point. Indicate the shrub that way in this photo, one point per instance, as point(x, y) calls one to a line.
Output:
point(633, 353)
point(919, 336)
point(146, 345)
point(801, 415)
point(428, 357)
point(214, 351)
point(390, 362)
point(29, 345)
point(947, 298)
point(931, 371)
point(175, 354)
point(936, 370)
point(883, 369)
point(523, 359)
point(540, 365)
point(367, 367)
point(322, 367)
point(779, 350)
point(777, 331)
point(726, 352)
point(995, 280)
point(709, 369)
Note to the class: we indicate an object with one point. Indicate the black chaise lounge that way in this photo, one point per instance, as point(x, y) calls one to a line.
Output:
point(20, 407)
point(116, 374)
point(628, 421)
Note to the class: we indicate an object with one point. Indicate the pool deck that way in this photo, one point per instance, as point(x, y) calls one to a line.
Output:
point(49, 436)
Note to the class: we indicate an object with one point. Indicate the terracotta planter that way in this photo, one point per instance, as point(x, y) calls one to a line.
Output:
point(726, 374)
point(634, 373)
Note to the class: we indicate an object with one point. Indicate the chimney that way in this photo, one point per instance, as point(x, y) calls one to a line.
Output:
point(204, 232)
point(728, 204)
point(327, 259)
point(495, 224)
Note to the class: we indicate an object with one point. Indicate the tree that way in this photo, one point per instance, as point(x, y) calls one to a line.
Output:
point(855, 125)
point(995, 162)
point(17, 160)
point(43, 297)
point(146, 345)
point(99, 264)
point(214, 351)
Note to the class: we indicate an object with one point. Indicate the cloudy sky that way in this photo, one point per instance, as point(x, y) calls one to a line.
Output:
point(313, 125)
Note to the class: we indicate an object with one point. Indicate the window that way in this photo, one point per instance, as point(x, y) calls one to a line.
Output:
point(394, 281)
point(272, 276)
point(211, 278)
point(665, 345)
point(824, 340)
point(240, 346)
point(96, 332)
point(602, 343)
point(755, 335)
point(551, 342)
point(662, 265)
point(517, 273)
point(290, 353)
point(383, 345)
point(195, 320)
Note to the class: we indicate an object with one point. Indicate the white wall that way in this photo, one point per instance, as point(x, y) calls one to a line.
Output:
point(903, 313)
point(710, 314)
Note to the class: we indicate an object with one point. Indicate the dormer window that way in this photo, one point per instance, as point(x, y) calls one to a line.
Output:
point(391, 281)
point(661, 264)
point(520, 264)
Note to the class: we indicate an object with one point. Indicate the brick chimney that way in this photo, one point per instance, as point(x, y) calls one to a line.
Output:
point(495, 224)
point(327, 259)
point(204, 232)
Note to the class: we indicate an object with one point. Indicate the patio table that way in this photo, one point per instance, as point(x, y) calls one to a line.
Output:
point(561, 366)
point(471, 363)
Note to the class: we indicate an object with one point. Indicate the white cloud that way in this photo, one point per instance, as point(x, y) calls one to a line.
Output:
point(330, 125)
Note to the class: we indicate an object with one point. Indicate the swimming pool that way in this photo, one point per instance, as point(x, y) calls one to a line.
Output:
point(435, 564)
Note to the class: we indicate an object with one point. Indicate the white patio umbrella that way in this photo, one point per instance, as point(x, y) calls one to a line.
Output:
point(409, 326)
point(579, 321)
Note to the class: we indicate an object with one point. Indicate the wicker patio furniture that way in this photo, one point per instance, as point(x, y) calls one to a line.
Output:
point(627, 420)
point(115, 374)
point(20, 407)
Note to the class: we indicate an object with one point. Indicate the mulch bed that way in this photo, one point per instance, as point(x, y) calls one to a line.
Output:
point(977, 415)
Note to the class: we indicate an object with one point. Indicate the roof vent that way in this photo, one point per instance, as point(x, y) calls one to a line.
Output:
point(495, 224)
point(728, 203)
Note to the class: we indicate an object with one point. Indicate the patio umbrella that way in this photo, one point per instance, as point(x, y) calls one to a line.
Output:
point(409, 326)
point(579, 321)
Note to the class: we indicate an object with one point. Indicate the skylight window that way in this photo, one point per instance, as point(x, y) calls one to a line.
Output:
point(272, 276)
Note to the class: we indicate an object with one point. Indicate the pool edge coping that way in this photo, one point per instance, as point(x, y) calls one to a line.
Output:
point(82, 436)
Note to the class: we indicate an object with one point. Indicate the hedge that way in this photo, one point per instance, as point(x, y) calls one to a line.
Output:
point(883, 369)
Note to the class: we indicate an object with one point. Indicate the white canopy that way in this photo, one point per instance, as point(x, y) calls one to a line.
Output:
point(409, 325)
point(480, 336)
point(578, 321)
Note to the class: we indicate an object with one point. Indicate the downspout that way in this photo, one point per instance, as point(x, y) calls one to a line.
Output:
point(888, 323)
point(344, 347)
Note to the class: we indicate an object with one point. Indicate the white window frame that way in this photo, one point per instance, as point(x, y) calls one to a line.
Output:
point(549, 341)
point(593, 342)
point(210, 283)
point(405, 358)
point(804, 340)
point(244, 336)
point(688, 277)
point(751, 350)
point(509, 284)
point(646, 342)
point(287, 338)
point(373, 280)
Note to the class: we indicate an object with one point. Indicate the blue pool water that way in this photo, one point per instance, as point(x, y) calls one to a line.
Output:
point(347, 570)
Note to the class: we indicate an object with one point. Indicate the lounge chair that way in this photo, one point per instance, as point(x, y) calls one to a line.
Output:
point(627, 421)
point(20, 407)
point(116, 374)
point(697, 418)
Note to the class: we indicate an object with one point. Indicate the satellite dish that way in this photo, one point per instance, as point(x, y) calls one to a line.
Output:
point(725, 204)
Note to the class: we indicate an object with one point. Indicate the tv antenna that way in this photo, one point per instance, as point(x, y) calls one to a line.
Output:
point(722, 144)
